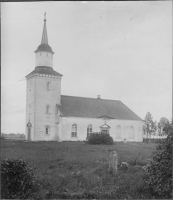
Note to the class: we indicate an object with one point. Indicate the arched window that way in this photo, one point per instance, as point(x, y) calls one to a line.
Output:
point(47, 130)
point(131, 132)
point(74, 130)
point(89, 130)
point(118, 132)
point(48, 85)
point(47, 109)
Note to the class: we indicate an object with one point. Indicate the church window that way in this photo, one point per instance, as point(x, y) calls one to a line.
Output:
point(118, 132)
point(74, 130)
point(89, 130)
point(47, 130)
point(131, 132)
point(47, 109)
point(48, 85)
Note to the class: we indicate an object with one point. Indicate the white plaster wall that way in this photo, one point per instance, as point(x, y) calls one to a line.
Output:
point(44, 59)
point(59, 130)
point(83, 123)
point(30, 105)
point(43, 98)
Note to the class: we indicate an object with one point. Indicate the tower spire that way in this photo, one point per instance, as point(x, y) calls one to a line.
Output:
point(44, 35)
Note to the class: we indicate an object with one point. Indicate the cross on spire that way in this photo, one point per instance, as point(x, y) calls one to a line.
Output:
point(45, 17)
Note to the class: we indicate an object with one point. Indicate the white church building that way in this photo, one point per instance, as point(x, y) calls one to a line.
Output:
point(51, 116)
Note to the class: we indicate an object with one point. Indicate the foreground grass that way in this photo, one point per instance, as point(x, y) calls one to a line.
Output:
point(78, 170)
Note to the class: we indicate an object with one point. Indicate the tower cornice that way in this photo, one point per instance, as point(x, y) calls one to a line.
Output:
point(45, 72)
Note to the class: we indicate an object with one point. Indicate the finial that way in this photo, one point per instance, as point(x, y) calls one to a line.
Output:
point(45, 17)
point(44, 35)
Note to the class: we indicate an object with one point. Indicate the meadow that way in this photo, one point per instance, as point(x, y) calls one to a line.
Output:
point(75, 170)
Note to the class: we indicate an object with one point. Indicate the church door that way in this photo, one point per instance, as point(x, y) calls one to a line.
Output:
point(29, 134)
point(29, 125)
point(105, 128)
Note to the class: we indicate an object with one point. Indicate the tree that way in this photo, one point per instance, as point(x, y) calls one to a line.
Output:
point(155, 128)
point(161, 125)
point(160, 168)
point(150, 126)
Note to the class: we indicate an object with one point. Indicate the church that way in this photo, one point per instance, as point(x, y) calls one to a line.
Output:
point(51, 116)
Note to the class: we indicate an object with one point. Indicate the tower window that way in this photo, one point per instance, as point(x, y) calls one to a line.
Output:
point(48, 86)
point(40, 54)
point(47, 130)
point(47, 109)
point(74, 130)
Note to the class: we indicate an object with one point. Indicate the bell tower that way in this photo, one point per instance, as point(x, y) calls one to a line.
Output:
point(44, 53)
point(43, 96)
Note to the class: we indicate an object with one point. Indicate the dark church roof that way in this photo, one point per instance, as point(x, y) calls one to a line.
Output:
point(95, 108)
point(44, 70)
point(44, 47)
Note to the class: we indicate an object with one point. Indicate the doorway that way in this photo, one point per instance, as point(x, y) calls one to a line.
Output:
point(29, 134)
point(105, 128)
point(29, 125)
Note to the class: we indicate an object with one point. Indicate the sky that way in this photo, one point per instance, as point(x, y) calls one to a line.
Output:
point(118, 50)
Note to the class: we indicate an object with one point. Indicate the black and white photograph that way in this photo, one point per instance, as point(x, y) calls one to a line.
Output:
point(86, 100)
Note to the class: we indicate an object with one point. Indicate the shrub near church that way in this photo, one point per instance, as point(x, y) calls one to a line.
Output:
point(100, 138)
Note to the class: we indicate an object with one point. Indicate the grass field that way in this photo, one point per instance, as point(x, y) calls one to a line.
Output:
point(78, 170)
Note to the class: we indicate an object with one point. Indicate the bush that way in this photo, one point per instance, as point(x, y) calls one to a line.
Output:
point(160, 168)
point(123, 166)
point(137, 161)
point(17, 179)
point(100, 138)
point(2, 137)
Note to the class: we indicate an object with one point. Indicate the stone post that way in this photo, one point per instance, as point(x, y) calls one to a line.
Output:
point(113, 163)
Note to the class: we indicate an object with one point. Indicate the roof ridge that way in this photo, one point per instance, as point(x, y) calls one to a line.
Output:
point(90, 98)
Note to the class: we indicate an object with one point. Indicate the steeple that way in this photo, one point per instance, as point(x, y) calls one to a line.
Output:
point(44, 35)
point(44, 46)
